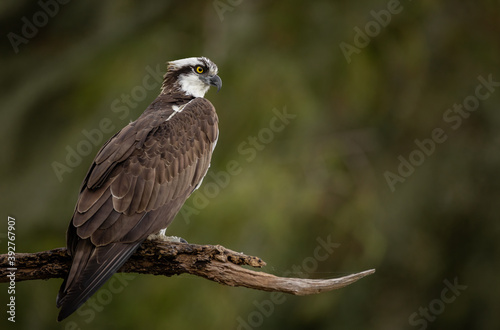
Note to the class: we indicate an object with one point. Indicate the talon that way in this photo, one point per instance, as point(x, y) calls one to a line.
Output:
point(174, 239)
point(164, 238)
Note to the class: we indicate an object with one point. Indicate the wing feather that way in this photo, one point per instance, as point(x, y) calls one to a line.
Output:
point(80, 217)
point(149, 184)
point(121, 186)
point(90, 226)
point(137, 195)
point(122, 204)
point(110, 220)
point(88, 198)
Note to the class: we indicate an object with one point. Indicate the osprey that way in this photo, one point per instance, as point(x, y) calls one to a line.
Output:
point(140, 179)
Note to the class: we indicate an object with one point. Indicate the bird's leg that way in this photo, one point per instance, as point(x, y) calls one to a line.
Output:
point(162, 237)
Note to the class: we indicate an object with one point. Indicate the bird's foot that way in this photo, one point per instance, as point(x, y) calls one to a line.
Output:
point(174, 239)
point(162, 237)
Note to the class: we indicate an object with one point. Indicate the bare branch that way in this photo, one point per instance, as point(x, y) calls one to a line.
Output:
point(213, 262)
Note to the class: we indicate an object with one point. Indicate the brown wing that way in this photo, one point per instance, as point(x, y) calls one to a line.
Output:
point(136, 185)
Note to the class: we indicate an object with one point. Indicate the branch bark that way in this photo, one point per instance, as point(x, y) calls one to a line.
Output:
point(213, 262)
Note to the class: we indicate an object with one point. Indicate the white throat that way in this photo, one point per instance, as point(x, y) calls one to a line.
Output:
point(192, 85)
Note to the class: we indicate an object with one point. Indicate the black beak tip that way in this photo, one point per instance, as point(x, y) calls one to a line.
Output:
point(216, 81)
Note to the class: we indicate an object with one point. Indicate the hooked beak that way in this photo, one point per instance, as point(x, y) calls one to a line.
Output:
point(215, 81)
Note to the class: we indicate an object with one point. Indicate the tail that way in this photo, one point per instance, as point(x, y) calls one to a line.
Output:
point(92, 267)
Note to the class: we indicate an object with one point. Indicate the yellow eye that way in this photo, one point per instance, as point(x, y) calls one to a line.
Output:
point(199, 69)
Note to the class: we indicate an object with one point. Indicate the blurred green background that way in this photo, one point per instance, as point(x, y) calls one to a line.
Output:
point(321, 176)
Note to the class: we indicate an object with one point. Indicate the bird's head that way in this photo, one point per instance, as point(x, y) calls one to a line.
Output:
point(192, 76)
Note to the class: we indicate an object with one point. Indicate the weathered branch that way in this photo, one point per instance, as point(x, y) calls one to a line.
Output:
point(213, 262)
